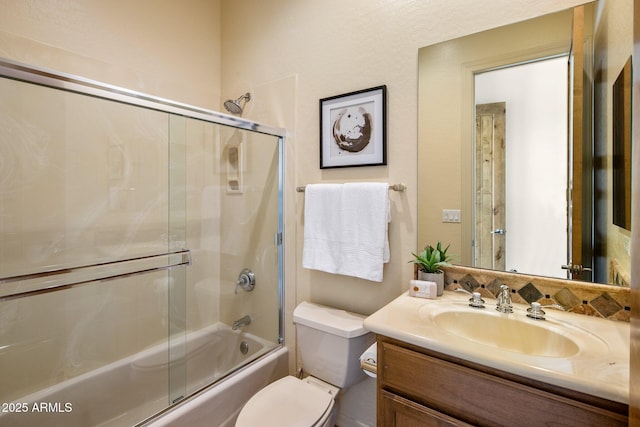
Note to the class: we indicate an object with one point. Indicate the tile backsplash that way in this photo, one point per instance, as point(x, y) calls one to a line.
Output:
point(606, 301)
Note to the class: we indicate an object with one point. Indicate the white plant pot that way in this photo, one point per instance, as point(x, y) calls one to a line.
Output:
point(438, 278)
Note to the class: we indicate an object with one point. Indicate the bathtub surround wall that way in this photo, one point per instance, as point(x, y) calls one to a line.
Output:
point(249, 222)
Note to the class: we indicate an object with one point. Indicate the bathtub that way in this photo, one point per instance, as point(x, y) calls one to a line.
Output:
point(131, 390)
point(219, 406)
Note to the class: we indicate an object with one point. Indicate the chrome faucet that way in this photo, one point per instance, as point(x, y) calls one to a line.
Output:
point(244, 321)
point(504, 300)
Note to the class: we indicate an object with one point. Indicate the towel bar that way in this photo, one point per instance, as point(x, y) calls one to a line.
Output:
point(394, 187)
point(49, 285)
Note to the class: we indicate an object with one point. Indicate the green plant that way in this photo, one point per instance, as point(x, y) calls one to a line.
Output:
point(431, 259)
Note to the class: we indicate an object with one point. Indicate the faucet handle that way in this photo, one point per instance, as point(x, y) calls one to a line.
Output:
point(246, 281)
point(536, 312)
point(476, 300)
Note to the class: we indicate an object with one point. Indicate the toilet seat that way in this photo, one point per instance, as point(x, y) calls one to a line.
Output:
point(287, 402)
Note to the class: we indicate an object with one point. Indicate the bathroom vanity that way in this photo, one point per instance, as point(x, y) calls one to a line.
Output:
point(564, 370)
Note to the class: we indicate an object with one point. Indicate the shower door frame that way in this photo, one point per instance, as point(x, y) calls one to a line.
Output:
point(54, 79)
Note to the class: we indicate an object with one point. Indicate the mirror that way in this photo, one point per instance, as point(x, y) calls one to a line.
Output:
point(448, 176)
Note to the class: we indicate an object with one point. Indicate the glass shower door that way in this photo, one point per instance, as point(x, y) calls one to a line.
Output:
point(233, 222)
point(125, 226)
point(85, 260)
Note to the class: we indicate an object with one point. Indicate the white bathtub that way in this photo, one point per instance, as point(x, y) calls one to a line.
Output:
point(219, 406)
point(130, 390)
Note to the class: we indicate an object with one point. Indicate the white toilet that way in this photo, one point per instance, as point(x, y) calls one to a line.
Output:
point(330, 342)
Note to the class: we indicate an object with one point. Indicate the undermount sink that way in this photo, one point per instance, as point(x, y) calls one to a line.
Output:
point(507, 333)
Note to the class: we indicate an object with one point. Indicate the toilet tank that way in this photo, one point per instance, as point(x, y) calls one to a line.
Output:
point(330, 342)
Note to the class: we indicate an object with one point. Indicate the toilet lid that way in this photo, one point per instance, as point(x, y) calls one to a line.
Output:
point(287, 402)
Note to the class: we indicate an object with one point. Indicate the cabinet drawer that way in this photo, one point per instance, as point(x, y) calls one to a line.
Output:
point(479, 398)
point(398, 411)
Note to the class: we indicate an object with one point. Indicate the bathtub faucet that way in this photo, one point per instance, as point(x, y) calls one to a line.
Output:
point(244, 321)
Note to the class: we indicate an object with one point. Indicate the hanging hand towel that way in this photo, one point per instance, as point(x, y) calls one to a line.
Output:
point(345, 229)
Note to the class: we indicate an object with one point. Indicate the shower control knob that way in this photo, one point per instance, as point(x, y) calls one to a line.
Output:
point(246, 280)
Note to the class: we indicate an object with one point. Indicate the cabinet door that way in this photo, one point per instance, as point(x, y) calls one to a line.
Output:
point(400, 412)
point(478, 397)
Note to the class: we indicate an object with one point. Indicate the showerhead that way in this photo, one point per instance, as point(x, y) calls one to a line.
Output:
point(234, 106)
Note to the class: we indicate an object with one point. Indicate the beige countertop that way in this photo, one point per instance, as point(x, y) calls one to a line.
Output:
point(599, 366)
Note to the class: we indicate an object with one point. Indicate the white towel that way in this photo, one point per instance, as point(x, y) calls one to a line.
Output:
point(346, 229)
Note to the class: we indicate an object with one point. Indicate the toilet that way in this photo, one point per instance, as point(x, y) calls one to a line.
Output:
point(330, 343)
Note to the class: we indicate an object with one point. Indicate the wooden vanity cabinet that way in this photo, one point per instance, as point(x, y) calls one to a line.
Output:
point(419, 387)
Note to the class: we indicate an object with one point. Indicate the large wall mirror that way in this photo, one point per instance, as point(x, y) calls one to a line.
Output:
point(516, 131)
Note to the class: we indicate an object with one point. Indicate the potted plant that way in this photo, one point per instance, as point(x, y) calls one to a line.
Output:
point(429, 262)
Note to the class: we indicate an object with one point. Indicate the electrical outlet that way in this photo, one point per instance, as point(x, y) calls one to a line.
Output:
point(450, 215)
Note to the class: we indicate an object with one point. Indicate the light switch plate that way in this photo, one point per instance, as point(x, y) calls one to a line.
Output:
point(450, 215)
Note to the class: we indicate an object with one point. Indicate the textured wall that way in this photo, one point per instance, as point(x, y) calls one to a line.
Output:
point(165, 48)
point(316, 49)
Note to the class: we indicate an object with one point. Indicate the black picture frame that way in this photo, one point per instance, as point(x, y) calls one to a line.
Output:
point(353, 129)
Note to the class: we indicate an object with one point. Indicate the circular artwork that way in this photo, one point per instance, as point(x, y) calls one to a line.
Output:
point(352, 129)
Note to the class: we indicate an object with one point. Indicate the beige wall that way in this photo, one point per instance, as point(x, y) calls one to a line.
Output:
point(316, 49)
point(169, 49)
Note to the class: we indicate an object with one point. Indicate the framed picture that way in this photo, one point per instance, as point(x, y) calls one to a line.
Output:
point(353, 129)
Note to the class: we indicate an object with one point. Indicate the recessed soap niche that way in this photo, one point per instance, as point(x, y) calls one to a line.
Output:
point(235, 165)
